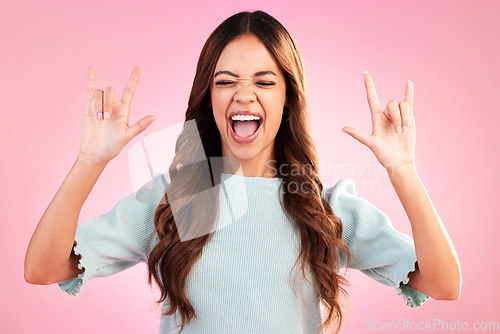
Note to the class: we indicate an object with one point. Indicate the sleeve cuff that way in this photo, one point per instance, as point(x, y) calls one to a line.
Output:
point(413, 298)
point(73, 286)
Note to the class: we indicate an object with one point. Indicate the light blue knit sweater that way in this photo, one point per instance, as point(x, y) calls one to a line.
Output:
point(241, 282)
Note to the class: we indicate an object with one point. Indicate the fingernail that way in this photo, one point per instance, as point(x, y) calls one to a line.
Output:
point(399, 129)
point(106, 115)
point(99, 115)
point(405, 129)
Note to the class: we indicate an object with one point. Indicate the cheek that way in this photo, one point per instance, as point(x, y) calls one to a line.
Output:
point(275, 124)
point(273, 105)
point(221, 101)
point(274, 99)
point(218, 109)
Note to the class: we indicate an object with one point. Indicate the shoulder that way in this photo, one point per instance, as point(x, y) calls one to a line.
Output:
point(343, 194)
point(152, 193)
point(359, 216)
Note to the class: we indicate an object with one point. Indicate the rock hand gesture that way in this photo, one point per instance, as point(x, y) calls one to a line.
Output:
point(438, 273)
point(105, 129)
point(393, 129)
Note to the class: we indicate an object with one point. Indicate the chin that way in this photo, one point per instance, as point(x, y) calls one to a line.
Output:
point(243, 154)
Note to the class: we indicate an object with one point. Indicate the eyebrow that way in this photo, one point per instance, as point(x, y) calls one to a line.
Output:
point(257, 74)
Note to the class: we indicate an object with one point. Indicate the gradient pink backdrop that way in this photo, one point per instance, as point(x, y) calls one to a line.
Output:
point(449, 49)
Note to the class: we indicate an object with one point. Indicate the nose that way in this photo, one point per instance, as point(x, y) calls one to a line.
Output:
point(244, 93)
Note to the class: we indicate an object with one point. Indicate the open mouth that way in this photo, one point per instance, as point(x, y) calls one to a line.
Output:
point(245, 128)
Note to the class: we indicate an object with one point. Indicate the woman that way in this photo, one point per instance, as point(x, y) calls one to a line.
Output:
point(226, 236)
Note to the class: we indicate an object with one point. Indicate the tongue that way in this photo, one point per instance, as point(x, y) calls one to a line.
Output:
point(245, 128)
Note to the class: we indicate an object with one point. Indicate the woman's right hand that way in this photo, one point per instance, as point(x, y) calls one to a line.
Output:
point(105, 129)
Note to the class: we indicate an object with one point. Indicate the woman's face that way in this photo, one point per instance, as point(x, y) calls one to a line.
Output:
point(247, 80)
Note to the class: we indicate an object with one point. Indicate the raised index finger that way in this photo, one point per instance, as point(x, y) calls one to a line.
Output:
point(91, 84)
point(371, 94)
point(129, 90)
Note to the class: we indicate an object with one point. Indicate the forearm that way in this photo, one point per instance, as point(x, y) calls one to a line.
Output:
point(439, 268)
point(52, 241)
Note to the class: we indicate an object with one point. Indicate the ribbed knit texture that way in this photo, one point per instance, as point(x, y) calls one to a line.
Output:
point(241, 284)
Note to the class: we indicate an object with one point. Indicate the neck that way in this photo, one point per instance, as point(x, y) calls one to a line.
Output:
point(253, 169)
point(263, 165)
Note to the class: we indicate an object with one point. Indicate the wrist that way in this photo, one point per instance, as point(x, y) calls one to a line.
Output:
point(401, 173)
point(90, 162)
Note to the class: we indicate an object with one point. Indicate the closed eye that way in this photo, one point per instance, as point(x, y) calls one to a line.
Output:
point(225, 83)
point(229, 83)
point(265, 83)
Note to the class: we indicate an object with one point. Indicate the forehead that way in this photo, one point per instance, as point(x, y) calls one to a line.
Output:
point(246, 55)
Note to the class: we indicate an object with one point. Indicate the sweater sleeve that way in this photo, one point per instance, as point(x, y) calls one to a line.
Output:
point(376, 248)
point(118, 240)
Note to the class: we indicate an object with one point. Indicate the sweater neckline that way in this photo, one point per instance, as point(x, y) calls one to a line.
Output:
point(251, 179)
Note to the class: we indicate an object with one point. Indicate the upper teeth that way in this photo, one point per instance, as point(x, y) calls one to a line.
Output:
point(245, 118)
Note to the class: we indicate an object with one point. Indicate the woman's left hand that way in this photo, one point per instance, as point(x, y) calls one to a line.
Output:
point(393, 129)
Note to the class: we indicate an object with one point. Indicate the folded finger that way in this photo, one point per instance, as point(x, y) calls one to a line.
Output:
point(98, 102)
point(109, 100)
point(392, 109)
point(385, 112)
point(405, 115)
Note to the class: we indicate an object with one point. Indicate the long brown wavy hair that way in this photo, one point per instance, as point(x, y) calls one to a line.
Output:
point(180, 241)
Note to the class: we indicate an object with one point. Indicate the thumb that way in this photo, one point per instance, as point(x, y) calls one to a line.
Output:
point(359, 135)
point(140, 126)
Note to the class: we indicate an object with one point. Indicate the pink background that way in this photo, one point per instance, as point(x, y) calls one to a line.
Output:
point(449, 49)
